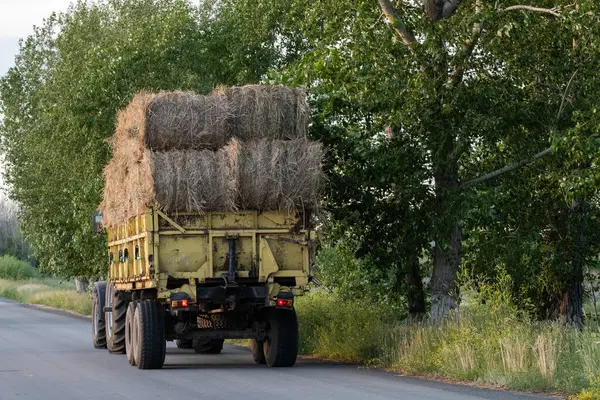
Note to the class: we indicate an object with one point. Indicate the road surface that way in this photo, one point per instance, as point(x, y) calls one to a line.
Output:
point(47, 356)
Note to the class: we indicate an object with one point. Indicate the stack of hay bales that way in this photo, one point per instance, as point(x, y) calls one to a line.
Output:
point(239, 148)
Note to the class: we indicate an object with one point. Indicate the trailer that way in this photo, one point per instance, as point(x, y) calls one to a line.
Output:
point(200, 278)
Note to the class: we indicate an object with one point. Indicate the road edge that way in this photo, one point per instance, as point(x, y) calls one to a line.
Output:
point(57, 311)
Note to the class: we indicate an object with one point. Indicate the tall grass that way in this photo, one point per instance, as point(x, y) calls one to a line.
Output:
point(48, 292)
point(489, 343)
point(15, 269)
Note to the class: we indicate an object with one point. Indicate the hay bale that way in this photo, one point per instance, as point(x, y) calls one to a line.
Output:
point(266, 111)
point(178, 180)
point(280, 175)
point(173, 120)
point(191, 180)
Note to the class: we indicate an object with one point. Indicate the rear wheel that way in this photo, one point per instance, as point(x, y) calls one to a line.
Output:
point(149, 342)
point(258, 352)
point(98, 326)
point(281, 345)
point(208, 346)
point(115, 320)
point(130, 332)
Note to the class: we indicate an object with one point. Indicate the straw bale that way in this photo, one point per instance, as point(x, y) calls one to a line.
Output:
point(280, 175)
point(173, 120)
point(266, 111)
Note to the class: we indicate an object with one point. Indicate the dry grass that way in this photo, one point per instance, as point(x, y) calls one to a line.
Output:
point(514, 352)
point(546, 346)
point(266, 111)
point(47, 292)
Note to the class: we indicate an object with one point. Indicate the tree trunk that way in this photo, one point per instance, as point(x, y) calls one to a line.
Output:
point(444, 292)
point(572, 301)
point(415, 294)
point(448, 246)
point(571, 307)
point(81, 285)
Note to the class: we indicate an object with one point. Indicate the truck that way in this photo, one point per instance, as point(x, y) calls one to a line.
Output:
point(200, 278)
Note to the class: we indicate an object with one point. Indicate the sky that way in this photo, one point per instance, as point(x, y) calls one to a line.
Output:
point(17, 18)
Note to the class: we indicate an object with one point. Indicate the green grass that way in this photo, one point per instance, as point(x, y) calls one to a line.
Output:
point(47, 292)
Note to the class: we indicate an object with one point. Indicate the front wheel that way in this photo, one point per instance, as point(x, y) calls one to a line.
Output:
point(115, 320)
point(98, 326)
point(281, 344)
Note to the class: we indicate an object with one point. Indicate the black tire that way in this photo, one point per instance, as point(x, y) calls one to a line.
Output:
point(281, 345)
point(184, 343)
point(208, 346)
point(258, 351)
point(149, 343)
point(115, 321)
point(130, 332)
point(98, 325)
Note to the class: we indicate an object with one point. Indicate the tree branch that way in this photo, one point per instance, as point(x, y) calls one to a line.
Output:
point(399, 26)
point(508, 168)
point(534, 9)
point(468, 48)
point(450, 7)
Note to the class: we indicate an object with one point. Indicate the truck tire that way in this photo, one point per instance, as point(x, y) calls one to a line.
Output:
point(184, 344)
point(98, 326)
point(258, 351)
point(115, 320)
point(130, 332)
point(281, 344)
point(149, 343)
point(208, 346)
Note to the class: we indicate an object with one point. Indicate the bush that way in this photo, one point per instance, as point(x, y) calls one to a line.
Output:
point(15, 269)
point(591, 393)
point(340, 329)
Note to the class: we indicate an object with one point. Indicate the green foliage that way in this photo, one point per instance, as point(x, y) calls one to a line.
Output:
point(70, 77)
point(14, 269)
point(591, 393)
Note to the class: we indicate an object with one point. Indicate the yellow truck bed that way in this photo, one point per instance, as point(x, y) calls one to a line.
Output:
point(181, 251)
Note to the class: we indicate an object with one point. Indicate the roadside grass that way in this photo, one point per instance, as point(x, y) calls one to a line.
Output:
point(48, 292)
point(486, 344)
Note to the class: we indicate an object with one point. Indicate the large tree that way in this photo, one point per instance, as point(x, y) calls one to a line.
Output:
point(481, 89)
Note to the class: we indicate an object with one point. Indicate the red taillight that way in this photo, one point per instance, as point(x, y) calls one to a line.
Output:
point(180, 303)
point(285, 303)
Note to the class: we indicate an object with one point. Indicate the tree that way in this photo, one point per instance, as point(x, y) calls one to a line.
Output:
point(476, 85)
point(60, 99)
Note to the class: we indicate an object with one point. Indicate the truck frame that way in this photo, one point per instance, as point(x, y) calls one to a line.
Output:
point(200, 278)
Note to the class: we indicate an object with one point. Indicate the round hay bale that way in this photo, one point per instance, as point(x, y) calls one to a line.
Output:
point(266, 111)
point(173, 121)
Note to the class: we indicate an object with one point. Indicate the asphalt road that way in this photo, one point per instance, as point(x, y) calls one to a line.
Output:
point(46, 356)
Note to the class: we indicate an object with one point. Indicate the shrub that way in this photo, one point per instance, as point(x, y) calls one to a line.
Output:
point(15, 269)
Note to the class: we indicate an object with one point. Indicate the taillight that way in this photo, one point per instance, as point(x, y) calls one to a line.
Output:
point(180, 303)
point(285, 303)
